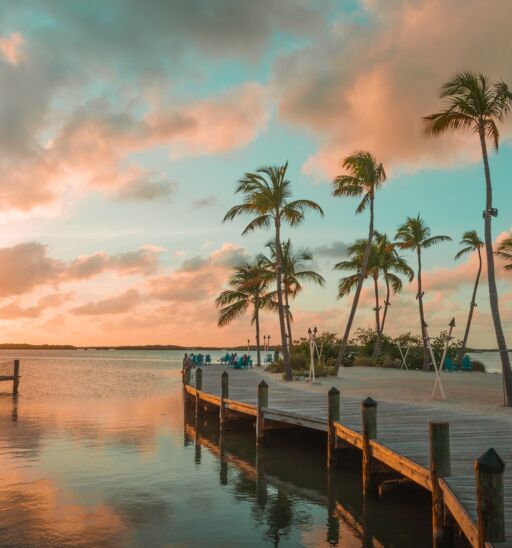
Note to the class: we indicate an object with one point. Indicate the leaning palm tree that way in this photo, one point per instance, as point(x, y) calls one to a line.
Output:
point(390, 266)
point(248, 287)
point(475, 103)
point(505, 251)
point(267, 195)
point(365, 176)
point(414, 234)
point(471, 242)
point(295, 273)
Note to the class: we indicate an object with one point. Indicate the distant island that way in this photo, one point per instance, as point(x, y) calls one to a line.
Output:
point(26, 346)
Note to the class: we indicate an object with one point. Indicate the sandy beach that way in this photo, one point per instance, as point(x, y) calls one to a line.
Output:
point(463, 390)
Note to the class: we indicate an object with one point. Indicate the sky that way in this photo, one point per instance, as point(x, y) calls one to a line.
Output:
point(124, 128)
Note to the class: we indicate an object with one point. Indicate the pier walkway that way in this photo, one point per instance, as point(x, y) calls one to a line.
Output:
point(401, 443)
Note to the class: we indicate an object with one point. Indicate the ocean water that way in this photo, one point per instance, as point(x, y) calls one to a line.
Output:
point(98, 450)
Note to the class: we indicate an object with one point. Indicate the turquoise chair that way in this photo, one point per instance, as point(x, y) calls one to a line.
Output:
point(466, 363)
point(448, 364)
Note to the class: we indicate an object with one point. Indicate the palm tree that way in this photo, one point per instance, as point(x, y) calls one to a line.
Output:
point(414, 234)
point(267, 195)
point(471, 242)
point(294, 264)
point(390, 266)
point(505, 251)
point(473, 102)
point(248, 288)
point(364, 178)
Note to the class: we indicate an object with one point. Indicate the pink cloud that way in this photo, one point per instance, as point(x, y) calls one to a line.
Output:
point(113, 305)
point(10, 47)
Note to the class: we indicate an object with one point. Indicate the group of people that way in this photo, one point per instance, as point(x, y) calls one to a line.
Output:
point(233, 359)
point(194, 360)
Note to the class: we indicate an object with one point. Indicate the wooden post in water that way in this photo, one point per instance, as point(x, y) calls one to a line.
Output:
point(369, 415)
point(224, 395)
point(186, 375)
point(262, 403)
point(490, 501)
point(440, 467)
point(16, 379)
point(333, 399)
point(199, 388)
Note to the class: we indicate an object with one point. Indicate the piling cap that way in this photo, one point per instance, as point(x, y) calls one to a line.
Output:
point(369, 402)
point(333, 391)
point(490, 462)
point(225, 374)
point(263, 384)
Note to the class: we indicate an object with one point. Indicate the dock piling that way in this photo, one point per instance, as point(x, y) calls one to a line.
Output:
point(490, 501)
point(16, 377)
point(262, 403)
point(199, 388)
point(224, 395)
point(369, 417)
point(440, 467)
point(333, 416)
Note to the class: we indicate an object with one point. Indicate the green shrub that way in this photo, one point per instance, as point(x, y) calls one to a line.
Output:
point(364, 361)
point(390, 363)
point(477, 365)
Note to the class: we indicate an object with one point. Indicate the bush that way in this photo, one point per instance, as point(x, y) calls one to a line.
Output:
point(364, 361)
point(390, 363)
point(477, 365)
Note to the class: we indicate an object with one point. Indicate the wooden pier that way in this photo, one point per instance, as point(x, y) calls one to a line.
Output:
point(14, 378)
point(457, 455)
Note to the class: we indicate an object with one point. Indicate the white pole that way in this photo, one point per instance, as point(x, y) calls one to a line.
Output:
point(438, 376)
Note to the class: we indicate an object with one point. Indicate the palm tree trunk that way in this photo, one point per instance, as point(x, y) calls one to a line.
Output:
point(493, 292)
point(279, 284)
point(462, 350)
point(257, 323)
point(288, 320)
point(378, 346)
point(422, 314)
point(378, 341)
point(362, 276)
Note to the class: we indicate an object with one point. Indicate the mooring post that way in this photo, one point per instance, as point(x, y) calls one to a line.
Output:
point(186, 375)
point(369, 415)
point(440, 467)
point(333, 404)
point(490, 501)
point(16, 379)
point(262, 403)
point(199, 388)
point(224, 395)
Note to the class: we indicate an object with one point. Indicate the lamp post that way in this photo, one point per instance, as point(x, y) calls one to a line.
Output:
point(312, 345)
point(248, 345)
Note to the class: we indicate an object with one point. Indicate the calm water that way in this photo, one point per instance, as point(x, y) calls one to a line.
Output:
point(97, 451)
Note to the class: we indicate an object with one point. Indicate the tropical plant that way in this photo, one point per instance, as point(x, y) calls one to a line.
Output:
point(505, 251)
point(365, 176)
point(295, 263)
point(267, 195)
point(471, 242)
point(475, 103)
point(414, 235)
point(248, 287)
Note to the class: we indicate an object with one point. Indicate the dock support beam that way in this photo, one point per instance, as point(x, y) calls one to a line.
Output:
point(224, 395)
point(186, 376)
point(333, 416)
point(16, 379)
point(199, 388)
point(490, 501)
point(262, 403)
point(440, 467)
point(369, 416)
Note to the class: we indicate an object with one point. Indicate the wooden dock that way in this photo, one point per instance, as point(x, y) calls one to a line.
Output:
point(401, 444)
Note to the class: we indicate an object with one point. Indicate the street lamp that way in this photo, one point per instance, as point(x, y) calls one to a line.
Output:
point(312, 346)
point(248, 345)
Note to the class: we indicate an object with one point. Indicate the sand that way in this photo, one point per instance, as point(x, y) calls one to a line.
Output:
point(472, 390)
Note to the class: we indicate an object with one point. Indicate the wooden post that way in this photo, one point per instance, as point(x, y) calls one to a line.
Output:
point(224, 395)
point(16, 379)
point(440, 467)
point(262, 403)
point(199, 388)
point(333, 403)
point(186, 375)
point(490, 502)
point(369, 415)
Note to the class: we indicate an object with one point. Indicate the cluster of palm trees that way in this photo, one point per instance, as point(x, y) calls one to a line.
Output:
point(472, 102)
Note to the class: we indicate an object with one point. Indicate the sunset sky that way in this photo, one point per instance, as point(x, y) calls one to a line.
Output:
point(124, 126)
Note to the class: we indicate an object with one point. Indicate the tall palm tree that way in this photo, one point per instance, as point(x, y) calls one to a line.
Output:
point(473, 102)
point(390, 266)
point(267, 195)
point(295, 263)
point(471, 242)
point(365, 176)
point(414, 234)
point(505, 251)
point(248, 288)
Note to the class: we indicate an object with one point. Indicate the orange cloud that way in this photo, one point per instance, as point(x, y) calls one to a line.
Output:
point(10, 47)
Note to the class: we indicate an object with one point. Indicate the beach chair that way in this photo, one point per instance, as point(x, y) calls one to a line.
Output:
point(208, 359)
point(466, 363)
point(448, 364)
